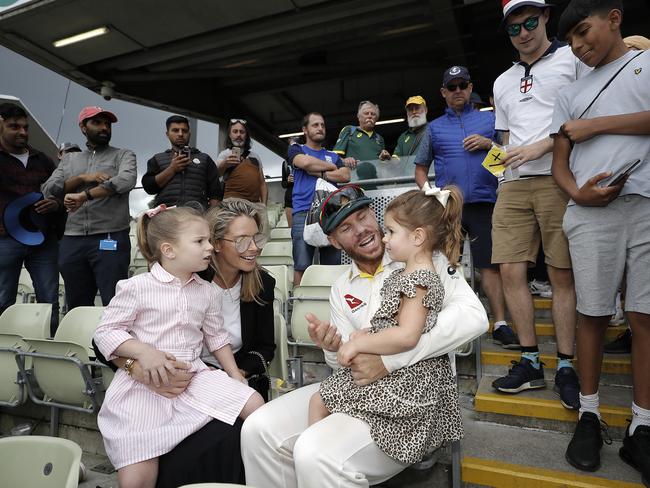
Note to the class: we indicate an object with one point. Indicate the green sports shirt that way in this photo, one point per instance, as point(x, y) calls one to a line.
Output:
point(357, 143)
point(408, 141)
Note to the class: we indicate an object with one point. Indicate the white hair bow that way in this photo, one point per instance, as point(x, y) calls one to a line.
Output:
point(441, 195)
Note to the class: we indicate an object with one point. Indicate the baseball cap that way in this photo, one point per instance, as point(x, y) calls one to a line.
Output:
point(340, 204)
point(90, 112)
point(510, 6)
point(69, 147)
point(476, 98)
point(455, 72)
point(22, 222)
point(415, 100)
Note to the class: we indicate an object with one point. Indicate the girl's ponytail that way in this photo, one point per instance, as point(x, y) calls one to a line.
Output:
point(451, 237)
point(143, 241)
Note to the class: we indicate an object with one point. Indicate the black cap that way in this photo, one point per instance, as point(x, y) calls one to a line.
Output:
point(455, 72)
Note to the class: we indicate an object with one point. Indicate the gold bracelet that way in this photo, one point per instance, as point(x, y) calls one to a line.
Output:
point(128, 366)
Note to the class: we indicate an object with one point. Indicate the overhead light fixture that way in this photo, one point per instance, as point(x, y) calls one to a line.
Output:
point(100, 31)
point(291, 134)
point(486, 109)
point(390, 121)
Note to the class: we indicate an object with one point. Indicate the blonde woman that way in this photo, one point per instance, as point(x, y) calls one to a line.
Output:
point(238, 234)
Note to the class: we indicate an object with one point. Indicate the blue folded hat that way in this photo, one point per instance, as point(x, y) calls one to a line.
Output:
point(22, 222)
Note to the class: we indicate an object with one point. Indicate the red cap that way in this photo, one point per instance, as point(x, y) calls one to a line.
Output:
point(90, 112)
point(510, 6)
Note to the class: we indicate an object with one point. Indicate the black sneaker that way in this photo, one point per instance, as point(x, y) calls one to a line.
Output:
point(621, 345)
point(522, 376)
point(568, 387)
point(583, 452)
point(505, 336)
point(636, 451)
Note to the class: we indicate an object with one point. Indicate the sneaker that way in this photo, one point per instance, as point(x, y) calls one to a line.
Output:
point(621, 345)
point(541, 288)
point(522, 376)
point(619, 317)
point(636, 451)
point(583, 452)
point(505, 336)
point(568, 387)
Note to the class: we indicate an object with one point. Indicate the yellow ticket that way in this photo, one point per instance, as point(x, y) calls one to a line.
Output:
point(493, 160)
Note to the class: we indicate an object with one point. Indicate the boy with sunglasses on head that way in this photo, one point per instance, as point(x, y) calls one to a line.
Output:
point(530, 205)
point(601, 160)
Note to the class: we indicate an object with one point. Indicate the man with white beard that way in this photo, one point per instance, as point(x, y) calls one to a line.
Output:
point(456, 143)
point(416, 117)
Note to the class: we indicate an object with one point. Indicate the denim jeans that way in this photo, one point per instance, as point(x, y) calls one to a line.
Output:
point(40, 262)
point(303, 253)
point(85, 268)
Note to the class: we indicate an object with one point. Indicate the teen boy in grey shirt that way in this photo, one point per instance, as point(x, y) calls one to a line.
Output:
point(598, 131)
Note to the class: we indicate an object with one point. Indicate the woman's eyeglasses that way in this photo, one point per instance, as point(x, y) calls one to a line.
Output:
point(530, 24)
point(243, 243)
point(238, 121)
point(453, 86)
point(340, 199)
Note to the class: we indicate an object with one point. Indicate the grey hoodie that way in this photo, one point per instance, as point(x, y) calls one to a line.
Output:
point(110, 214)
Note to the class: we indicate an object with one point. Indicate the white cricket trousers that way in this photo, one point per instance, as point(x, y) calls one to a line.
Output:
point(280, 450)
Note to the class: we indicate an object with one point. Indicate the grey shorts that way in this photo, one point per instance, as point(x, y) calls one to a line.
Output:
point(604, 242)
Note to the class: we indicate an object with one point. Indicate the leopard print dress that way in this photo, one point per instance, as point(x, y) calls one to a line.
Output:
point(412, 410)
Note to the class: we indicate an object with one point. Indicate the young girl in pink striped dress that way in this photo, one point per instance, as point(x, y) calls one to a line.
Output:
point(156, 318)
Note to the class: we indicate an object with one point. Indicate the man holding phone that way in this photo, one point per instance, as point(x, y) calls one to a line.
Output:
point(241, 168)
point(181, 174)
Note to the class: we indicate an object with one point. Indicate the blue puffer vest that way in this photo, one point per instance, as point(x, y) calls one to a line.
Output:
point(455, 165)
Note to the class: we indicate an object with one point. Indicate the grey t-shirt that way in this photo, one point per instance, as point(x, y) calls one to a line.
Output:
point(628, 93)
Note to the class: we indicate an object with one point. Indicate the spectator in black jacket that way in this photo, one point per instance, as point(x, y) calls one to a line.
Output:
point(182, 173)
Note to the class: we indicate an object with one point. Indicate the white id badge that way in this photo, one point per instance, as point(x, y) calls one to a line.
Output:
point(108, 245)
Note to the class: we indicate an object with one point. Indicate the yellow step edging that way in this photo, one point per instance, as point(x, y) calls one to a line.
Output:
point(610, 365)
point(548, 330)
point(505, 475)
point(542, 303)
point(541, 408)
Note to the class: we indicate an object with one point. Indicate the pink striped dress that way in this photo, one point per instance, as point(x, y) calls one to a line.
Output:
point(156, 308)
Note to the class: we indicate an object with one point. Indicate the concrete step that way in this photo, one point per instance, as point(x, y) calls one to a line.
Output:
point(616, 370)
point(533, 458)
point(542, 408)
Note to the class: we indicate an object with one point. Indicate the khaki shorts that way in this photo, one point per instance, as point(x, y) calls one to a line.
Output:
point(527, 211)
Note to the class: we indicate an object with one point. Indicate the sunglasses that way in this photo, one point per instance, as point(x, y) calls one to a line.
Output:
point(243, 243)
point(530, 24)
point(339, 200)
point(452, 86)
point(238, 121)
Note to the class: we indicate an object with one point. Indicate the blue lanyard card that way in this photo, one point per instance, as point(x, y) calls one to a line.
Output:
point(108, 245)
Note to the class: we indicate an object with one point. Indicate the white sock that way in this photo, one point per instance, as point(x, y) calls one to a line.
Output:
point(640, 416)
point(589, 403)
point(499, 324)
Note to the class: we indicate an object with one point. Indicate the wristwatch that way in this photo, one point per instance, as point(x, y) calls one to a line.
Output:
point(88, 195)
point(128, 366)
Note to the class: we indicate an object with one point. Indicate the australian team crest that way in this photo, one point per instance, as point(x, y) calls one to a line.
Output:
point(526, 84)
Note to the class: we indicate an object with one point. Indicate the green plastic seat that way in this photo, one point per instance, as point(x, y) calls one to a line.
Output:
point(12, 387)
point(79, 325)
point(27, 320)
point(278, 367)
point(308, 299)
point(39, 462)
point(323, 274)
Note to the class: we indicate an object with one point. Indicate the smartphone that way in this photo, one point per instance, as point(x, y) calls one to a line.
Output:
point(236, 151)
point(187, 152)
point(627, 169)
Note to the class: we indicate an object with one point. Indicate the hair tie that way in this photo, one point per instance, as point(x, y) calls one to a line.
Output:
point(441, 195)
point(155, 211)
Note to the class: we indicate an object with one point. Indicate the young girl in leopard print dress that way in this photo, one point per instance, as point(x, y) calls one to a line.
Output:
point(415, 409)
